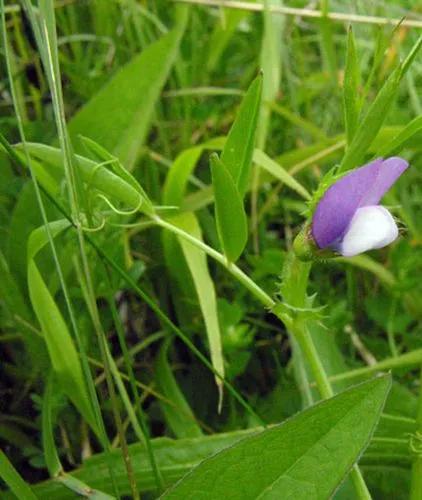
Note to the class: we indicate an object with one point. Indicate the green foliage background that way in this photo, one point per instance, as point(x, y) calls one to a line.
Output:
point(116, 329)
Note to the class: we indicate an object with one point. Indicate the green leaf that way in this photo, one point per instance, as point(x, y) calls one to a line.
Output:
point(175, 407)
point(178, 176)
point(82, 489)
point(413, 128)
point(222, 34)
point(93, 174)
point(119, 115)
point(230, 214)
point(271, 64)
point(16, 306)
point(277, 171)
point(306, 457)
point(372, 122)
point(377, 113)
point(12, 478)
point(63, 354)
point(411, 56)
point(177, 457)
point(351, 100)
point(198, 266)
point(108, 159)
point(237, 151)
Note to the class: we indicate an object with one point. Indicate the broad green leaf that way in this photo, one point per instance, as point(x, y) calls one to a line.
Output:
point(177, 457)
point(277, 171)
point(237, 151)
point(63, 355)
point(351, 100)
point(119, 115)
point(176, 409)
point(13, 480)
point(230, 214)
point(306, 457)
point(198, 266)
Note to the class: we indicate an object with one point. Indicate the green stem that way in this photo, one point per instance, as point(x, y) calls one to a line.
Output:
point(304, 339)
point(295, 284)
point(307, 346)
point(416, 483)
point(236, 272)
point(293, 289)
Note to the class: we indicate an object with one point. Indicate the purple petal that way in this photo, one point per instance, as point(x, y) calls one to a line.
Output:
point(363, 187)
point(391, 169)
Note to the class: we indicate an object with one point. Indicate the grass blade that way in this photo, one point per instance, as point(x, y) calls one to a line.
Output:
point(376, 114)
point(60, 346)
point(12, 478)
point(398, 142)
point(351, 100)
point(50, 451)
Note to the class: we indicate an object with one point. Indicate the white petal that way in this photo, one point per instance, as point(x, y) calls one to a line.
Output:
point(371, 227)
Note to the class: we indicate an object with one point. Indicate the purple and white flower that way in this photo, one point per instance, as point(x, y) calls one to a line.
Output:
point(349, 219)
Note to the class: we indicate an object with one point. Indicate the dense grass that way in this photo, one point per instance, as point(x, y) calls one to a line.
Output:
point(124, 319)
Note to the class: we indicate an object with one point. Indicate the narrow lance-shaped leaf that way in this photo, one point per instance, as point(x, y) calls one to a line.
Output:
point(230, 214)
point(377, 113)
point(237, 151)
point(351, 100)
point(306, 457)
point(196, 260)
point(198, 266)
point(372, 122)
point(63, 355)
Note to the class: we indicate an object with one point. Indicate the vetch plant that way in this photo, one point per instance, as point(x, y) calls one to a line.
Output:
point(348, 219)
point(146, 274)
